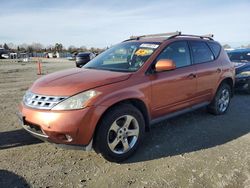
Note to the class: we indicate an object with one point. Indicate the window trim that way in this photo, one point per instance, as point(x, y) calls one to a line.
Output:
point(193, 54)
point(212, 50)
point(150, 70)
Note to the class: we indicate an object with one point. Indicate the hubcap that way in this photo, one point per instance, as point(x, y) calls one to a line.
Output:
point(123, 134)
point(224, 100)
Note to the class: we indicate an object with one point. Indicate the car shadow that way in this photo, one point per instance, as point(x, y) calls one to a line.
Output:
point(10, 179)
point(195, 131)
point(16, 138)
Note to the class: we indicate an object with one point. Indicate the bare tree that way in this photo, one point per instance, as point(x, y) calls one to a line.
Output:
point(226, 46)
point(12, 46)
point(30, 49)
point(72, 48)
point(50, 48)
point(6, 47)
point(37, 46)
point(83, 48)
point(23, 46)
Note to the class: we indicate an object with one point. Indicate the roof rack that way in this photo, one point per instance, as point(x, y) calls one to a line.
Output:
point(156, 35)
point(208, 36)
point(171, 35)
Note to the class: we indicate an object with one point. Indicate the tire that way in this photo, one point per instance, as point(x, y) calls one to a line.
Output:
point(221, 101)
point(119, 133)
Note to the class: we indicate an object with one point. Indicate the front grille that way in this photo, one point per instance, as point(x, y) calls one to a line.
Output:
point(34, 128)
point(41, 101)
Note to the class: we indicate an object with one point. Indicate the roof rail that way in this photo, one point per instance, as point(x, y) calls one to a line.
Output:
point(208, 36)
point(156, 35)
point(171, 35)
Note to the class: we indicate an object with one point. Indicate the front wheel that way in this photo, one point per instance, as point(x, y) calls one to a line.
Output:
point(119, 133)
point(221, 101)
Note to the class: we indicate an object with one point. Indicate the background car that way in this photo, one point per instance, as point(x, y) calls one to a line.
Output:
point(3, 54)
point(83, 57)
point(241, 60)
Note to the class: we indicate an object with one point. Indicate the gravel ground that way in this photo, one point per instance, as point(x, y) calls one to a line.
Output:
point(193, 150)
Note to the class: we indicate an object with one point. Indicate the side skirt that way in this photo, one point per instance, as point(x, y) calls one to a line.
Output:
point(177, 113)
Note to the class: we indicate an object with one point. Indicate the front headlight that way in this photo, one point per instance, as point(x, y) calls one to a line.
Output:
point(78, 101)
point(243, 74)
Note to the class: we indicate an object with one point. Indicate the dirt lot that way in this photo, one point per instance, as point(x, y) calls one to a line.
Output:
point(194, 150)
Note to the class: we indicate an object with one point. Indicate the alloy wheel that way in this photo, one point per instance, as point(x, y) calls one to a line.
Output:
point(224, 100)
point(123, 134)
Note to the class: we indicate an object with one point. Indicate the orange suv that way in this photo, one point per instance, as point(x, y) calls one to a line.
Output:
point(109, 103)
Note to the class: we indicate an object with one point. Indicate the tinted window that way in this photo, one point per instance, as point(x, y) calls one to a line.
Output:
point(83, 55)
point(178, 52)
point(215, 48)
point(201, 52)
point(239, 56)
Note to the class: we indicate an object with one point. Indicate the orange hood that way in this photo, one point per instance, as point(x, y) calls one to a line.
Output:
point(73, 81)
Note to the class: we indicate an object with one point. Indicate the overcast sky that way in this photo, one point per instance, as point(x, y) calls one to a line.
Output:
point(103, 23)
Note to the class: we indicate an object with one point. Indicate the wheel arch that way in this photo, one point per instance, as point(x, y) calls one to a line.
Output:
point(228, 81)
point(137, 103)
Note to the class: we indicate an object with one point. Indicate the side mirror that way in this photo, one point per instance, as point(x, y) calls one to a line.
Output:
point(164, 65)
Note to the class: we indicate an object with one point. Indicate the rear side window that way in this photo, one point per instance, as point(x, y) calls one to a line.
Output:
point(215, 48)
point(178, 52)
point(201, 52)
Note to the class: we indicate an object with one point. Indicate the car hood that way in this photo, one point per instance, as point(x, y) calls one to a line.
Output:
point(72, 81)
point(241, 66)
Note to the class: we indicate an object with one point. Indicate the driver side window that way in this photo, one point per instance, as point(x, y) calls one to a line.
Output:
point(178, 52)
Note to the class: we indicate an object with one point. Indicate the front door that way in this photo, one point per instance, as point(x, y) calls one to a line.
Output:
point(175, 89)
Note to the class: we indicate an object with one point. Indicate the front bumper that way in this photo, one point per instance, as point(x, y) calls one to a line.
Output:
point(73, 128)
point(242, 83)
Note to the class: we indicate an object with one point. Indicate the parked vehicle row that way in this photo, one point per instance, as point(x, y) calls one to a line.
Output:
point(110, 102)
point(241, 59)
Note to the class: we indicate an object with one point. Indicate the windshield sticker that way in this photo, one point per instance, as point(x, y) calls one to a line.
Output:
point(146, 45)
point(143, 52)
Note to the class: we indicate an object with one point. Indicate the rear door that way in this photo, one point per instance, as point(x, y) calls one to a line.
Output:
point(173, 90)
point(208, 69)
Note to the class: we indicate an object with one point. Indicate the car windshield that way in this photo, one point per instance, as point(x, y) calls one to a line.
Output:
point(239, 56)
point(124, 57)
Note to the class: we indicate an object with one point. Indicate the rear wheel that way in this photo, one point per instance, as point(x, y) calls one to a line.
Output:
point(119, 133)
point(221, 101)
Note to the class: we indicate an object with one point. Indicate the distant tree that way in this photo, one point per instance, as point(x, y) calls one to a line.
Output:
point(18, 48)
point(245, 46)
point(23, 47)
point(83, 48)
point(12, 46)
point(1, 46)
point(30, 49)
point(92, 49)
point(226, 46)
point(72, 49)
point(37, 46)
point(50, 48)
point(58, 47)
point(6, 47)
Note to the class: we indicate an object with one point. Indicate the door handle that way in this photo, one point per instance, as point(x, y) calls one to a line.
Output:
point(192, 75)
point(218, 70)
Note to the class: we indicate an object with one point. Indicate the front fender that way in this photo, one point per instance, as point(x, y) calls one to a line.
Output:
point(116, 97)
